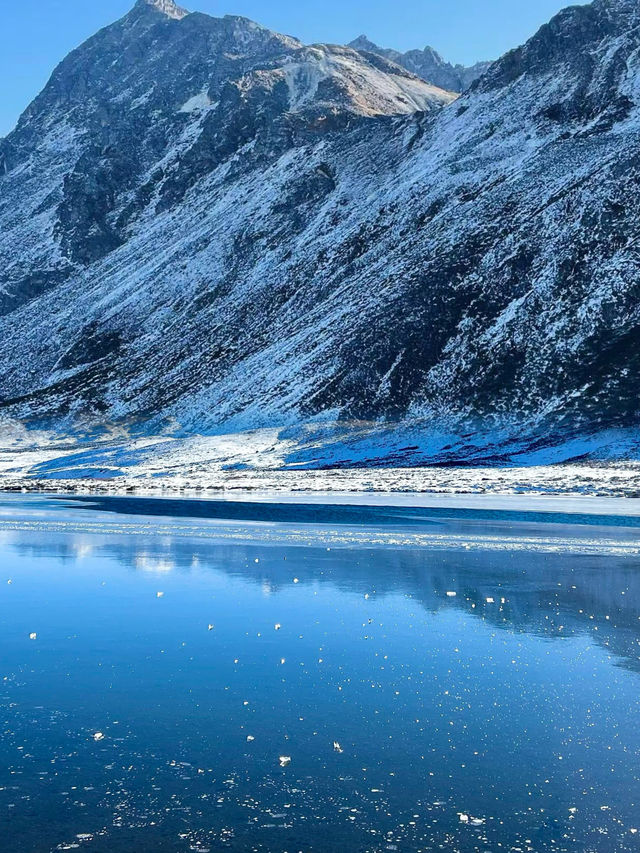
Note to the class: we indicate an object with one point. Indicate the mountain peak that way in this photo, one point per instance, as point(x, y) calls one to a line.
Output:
point(165, 7)
point(363, 42)
point(428, 64)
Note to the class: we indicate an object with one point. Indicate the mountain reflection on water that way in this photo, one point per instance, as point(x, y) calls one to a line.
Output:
point(551, 595)
point(316, 687)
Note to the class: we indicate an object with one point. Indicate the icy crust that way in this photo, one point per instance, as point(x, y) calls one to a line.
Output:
point(313, 536)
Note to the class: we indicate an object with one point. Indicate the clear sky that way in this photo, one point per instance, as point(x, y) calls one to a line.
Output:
point(36, 34)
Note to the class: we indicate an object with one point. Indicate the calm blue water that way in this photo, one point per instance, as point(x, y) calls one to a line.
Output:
point(505, 717)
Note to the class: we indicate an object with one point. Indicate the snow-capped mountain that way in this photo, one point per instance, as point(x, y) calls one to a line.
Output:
point(204, 221)
point(427, 64)
point(154, 90)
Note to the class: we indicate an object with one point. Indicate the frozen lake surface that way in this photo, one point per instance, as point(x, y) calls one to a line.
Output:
point(202, 675)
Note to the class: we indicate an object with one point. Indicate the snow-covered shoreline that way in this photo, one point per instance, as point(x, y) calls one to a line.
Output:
point(257, 464)
point(562, 489)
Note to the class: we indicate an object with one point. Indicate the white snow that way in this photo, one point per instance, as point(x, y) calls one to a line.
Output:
point(198, 102)
point(370, 90)
point(257, 464)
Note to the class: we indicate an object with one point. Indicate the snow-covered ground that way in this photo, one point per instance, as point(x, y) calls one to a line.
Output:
point(259, 462)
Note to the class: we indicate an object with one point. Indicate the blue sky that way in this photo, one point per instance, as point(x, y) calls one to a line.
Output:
point(36, 34)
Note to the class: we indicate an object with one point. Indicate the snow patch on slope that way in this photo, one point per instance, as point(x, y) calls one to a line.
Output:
point(198, 102)
point(374, 92)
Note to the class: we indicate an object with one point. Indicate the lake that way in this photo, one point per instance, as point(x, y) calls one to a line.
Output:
point(206, 676)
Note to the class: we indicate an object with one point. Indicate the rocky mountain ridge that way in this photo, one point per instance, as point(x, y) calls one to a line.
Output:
point(206, 224)
point(427, 64)
point(156, 77)
point(168, 8)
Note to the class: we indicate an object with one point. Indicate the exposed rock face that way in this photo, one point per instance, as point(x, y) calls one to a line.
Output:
point(427, 64)
point(230, 229)
point(167, 7)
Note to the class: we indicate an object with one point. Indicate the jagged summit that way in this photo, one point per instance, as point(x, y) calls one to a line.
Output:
point(165, 7)
point(363, 42)
point(427, 64)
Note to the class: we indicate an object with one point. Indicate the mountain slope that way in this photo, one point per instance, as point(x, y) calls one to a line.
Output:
point(469, 275)
point(155, 87)
point(427, 64)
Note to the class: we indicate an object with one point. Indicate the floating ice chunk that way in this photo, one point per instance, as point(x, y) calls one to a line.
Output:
point(285, 760)
point(472, 821)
